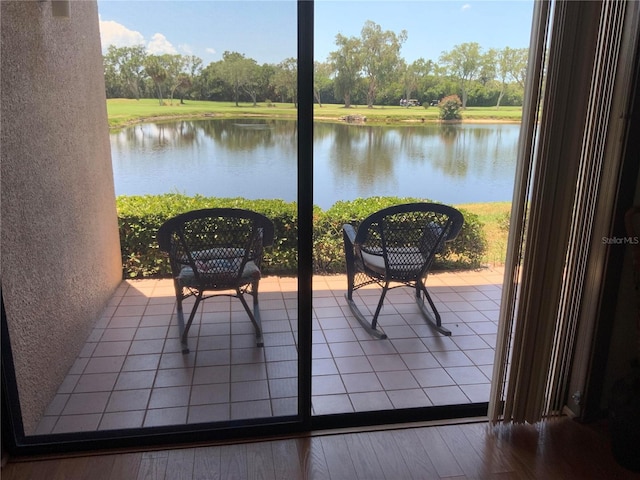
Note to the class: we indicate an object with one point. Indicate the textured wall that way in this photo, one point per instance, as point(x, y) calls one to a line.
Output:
point(60, 246)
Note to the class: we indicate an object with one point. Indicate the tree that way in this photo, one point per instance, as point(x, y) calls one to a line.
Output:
point(285, 80)
point(321, 79)
point(463, 63)
point(192, 68)
point(124, 69)
point(346, 64)
point(234, 72)
point(155, 70)
point(413, 74)
point(380, 53)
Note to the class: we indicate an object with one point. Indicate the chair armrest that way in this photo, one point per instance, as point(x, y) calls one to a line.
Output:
point(349, 233)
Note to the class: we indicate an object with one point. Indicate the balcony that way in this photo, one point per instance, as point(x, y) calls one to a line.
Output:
point(131, 372)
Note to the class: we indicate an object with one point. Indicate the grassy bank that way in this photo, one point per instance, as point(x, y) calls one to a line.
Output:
point(495, 219)
point(124, 112)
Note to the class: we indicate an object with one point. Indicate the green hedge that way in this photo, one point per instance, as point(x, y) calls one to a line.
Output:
point(139, 217)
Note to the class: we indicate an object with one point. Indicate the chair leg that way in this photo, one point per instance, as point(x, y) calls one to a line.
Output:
point(368, 326)
point(432, 317)
point(254, 315)
point(184, 328)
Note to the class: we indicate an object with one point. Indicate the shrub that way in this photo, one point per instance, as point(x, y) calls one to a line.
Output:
point(450, 108)
point(139, 218)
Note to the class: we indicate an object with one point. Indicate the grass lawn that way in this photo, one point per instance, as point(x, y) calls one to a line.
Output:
point(495, 218)
point(123, 112)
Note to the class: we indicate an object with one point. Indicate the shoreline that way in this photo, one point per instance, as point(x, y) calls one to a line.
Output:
point(381, 122)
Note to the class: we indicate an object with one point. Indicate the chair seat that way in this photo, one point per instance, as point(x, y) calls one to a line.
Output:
point(220, 272)
point(403, 261)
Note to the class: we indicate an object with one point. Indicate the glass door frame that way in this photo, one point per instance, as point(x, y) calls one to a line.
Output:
point(17, 443)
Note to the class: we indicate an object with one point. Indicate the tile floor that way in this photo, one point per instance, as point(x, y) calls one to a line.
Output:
point(131, 371)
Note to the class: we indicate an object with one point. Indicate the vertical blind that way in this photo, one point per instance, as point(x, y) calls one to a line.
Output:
point(573, 66)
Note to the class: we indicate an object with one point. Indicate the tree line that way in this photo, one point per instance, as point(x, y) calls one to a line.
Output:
point(364, 70)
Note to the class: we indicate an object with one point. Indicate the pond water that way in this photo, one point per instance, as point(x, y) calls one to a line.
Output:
point(257, 159)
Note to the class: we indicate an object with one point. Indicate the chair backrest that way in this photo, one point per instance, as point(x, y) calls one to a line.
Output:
point(426, 226)
point(211, 239)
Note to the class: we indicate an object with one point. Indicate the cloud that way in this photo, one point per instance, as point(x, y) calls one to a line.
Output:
point(186, 49)
point(465, 7)
point(210, 50)
point(114, 33)
point(159, 45)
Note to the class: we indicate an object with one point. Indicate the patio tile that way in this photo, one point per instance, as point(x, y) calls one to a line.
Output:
point(358, 364)
point(253, 409)
point(283, 388)
point(174, 377)
point(365, 402)
point(96, 382)
point(446, 395)
point(209, 413)
point(409, 398)
point(77, 423)
point(326, 404)
point(433, 377)
point(104, 364)
point(361, 382)
point(135, 380)
point(118, 334)
point(481, 357)
point(284, 406)
point(248, 372)
point(245, 391)
point(165, 416)
point(284, 369)
point(398, 380)
point(327, 385)
point(133, 358)
point(212, 374)
point(384, 363)
point(324, 366)
point(466, 375)
point(125, 400)
point(209, 394)
point(111, 349)
point(140, 347)
point(82, 403)
point(417, 361)
point(478, 392)
point(452, 359)
point(469, 342)
point(169, 397)
point(57, 404)
point(150, 333)
point(119, 420)
point(345, 349)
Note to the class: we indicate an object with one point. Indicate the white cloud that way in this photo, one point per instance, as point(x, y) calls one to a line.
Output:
point(114, 33)
point(465, 7)
point(186, 49)
point(210, 50)
point(159, 45)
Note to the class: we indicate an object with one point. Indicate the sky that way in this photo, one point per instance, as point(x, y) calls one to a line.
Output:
point(265, 30)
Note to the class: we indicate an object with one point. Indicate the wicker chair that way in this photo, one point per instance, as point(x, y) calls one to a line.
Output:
point(215, 251)
point(397, 245)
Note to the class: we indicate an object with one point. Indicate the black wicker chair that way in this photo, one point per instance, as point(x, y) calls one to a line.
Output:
point(398, 245)
point(216, 250)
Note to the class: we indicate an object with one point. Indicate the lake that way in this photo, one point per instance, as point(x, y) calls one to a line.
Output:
point(254, 158)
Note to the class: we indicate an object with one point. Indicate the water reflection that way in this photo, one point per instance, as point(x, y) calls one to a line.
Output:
point(256, 158)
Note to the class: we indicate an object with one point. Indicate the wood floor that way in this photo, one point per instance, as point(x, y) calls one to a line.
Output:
point(560, 449)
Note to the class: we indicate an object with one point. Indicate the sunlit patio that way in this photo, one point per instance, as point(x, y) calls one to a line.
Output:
point(131, 372)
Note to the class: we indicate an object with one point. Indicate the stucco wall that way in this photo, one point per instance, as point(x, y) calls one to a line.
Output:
point(60, 247)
